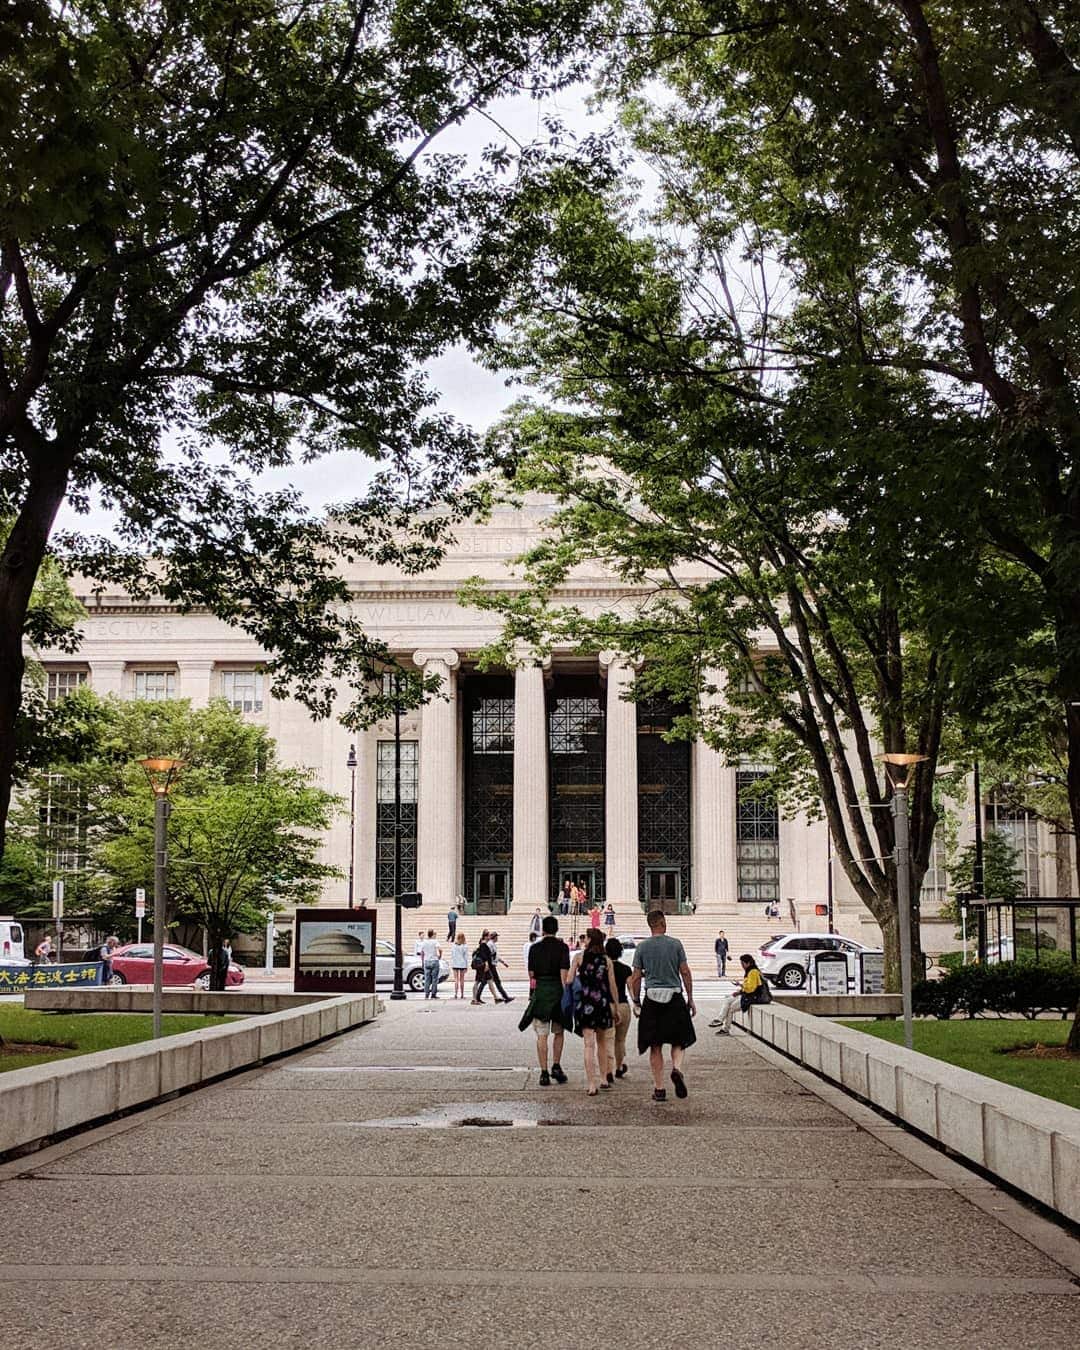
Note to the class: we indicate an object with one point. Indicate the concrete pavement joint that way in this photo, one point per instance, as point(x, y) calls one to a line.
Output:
point(749, 1281)
point(1044, 1234)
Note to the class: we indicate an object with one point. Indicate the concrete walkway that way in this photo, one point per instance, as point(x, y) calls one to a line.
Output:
point(334, 1199)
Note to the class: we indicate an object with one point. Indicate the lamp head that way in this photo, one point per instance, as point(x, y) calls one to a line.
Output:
point(899, 766)
point(161, 772)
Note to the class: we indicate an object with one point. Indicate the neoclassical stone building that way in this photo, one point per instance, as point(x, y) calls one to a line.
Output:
point(513, 782)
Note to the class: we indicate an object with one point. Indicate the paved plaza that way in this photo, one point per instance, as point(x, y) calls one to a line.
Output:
point(364, 1193)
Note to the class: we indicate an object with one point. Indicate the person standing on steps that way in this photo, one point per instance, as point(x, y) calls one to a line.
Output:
point(451, 923)
point(496, 962)
point(721, 947)
point(565, 897)
point(535, 923)
point(431, 954)
point(594, 917)
point(459, 963)
point(666, 1017)
point(609, 919)
point(549, 971)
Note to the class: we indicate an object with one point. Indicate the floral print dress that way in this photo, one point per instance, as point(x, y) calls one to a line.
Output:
point(593, 1010)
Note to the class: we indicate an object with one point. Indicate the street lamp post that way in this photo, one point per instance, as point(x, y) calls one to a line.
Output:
point(350, 764)
point(899, 781)
point(161, 774)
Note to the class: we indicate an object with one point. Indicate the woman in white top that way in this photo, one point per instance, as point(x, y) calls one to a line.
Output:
point(459, 963)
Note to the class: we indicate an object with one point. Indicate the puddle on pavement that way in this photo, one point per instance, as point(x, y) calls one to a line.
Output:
point(400, 1068)
point(466, 1115)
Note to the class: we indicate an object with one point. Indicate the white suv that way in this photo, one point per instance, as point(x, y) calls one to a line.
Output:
point(785, 960)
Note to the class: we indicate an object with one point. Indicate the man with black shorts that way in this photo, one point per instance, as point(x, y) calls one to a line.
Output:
point(665, 1015)
point(549, 970)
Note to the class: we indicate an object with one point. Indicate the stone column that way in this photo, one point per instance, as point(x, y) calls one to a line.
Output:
point(620, 786)
point(107, 677)
point(712, 790)
point(194, 681)
point(531, 881)
point(437, 808)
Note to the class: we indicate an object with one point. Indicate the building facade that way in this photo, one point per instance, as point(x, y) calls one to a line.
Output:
point(510, 783)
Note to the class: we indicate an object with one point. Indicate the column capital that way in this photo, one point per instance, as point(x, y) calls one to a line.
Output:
point(612, 658)
point(525, 656)
point(446, 656)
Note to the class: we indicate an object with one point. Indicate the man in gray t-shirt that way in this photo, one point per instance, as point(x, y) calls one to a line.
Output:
point(665, 1015)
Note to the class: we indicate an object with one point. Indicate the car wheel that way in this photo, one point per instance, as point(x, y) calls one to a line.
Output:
point(203, 982)
point(416, 981)
point(792, 977)
point(116, 978)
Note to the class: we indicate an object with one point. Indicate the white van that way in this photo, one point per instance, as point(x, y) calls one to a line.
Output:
point(11, 942)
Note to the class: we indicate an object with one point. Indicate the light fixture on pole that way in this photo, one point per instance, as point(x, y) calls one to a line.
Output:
point(350, 764)
point(161, 773)
point(899, 768)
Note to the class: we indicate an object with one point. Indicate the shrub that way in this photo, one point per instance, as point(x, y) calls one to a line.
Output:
point(1009, 988)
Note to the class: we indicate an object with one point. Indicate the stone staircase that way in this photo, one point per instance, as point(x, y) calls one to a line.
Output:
point(745, 926)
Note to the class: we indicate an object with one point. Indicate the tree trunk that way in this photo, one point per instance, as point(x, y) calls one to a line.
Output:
point(219, 961)
point(21, 559)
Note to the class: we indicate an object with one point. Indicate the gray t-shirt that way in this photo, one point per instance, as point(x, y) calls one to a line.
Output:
point(659, 958)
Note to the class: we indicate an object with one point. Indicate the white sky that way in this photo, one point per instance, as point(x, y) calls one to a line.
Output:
point(468, 392)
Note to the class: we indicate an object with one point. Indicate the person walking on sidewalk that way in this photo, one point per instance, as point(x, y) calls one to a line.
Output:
point(751, 991)
point(666, 1017)
point(496, 962)
point(616, 1046)
point(481, 964)
point(459, 963)
point(549, 969)
point(431, 954)
point(721, 947)
point(594, 1014)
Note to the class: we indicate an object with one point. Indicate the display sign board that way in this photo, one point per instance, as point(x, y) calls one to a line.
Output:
point(72, 975)
point(334, 951)
point(830, 973)
point(871, 972)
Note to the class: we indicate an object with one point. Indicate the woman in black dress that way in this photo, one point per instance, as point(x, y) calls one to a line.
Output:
point(594, 1010)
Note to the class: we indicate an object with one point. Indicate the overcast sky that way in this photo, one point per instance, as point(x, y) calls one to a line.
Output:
point(466, 391)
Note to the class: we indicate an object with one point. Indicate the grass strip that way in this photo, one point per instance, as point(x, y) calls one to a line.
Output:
point(982, 1045)
point(65, 1035)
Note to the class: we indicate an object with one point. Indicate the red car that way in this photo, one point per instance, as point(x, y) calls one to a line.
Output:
point(134, 964)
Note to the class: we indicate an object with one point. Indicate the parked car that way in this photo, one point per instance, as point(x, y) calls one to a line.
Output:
point(134, 964)
point(412, 968)
point(786, 960)
point(11, 943)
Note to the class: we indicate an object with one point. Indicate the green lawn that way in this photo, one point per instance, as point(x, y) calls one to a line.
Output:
point(68, 1034)
point(977, 1045)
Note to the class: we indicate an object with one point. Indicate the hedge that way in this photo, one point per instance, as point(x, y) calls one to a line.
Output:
point(1008, 988)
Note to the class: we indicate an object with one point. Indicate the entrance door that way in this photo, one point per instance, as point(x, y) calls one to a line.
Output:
point(584, 878)
point(491, 885)
point(663, 889)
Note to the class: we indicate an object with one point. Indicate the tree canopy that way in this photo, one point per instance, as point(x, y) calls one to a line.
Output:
point(227, 244)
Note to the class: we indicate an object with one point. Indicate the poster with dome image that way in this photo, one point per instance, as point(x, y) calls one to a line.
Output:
point(335, 951)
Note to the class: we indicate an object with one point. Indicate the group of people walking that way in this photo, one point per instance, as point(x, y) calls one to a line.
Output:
point(594, 994)
point(484, 962)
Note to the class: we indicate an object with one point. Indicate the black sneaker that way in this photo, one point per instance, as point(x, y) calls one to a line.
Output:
point(659, 1095)
point(558, 1075)
point(680, 1083)
point(545, 1078)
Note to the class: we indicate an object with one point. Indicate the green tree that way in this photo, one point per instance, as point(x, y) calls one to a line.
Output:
point(898, 185)
point(1002, 877)
point(227, 242)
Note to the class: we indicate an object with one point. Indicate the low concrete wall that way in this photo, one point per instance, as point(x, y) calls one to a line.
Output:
point(39, 1103)
point(1028, 1141)
point(842, 1005)
point(125, 998)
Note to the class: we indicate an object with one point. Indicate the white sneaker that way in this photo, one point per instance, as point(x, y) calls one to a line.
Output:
point(723, 1032)
point(717, 1022)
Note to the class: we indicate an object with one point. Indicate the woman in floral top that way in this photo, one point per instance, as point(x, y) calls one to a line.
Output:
point(594, 1018)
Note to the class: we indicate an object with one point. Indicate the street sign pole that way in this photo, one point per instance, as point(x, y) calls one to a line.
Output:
point(58, 916)
point(140, 909)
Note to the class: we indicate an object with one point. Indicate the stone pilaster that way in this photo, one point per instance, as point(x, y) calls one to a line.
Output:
point(712, 790)
point(107, 677)
point(437, 807)
point(620, 786)
point(531, 881)
point(194, 681)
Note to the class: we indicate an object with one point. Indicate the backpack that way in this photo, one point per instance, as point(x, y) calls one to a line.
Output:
point(478, 961)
